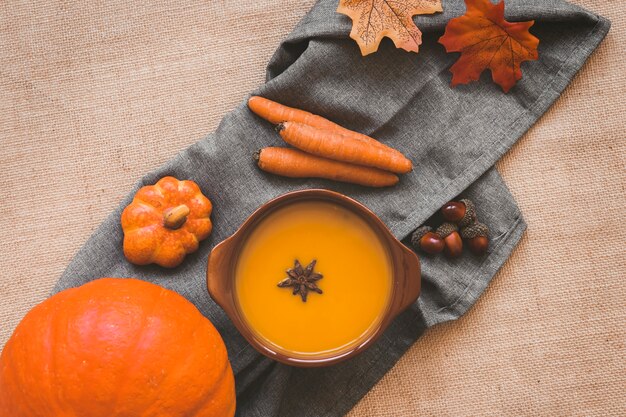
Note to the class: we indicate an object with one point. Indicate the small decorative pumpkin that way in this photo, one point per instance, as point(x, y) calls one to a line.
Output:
point(165, 222)
point(116, 348)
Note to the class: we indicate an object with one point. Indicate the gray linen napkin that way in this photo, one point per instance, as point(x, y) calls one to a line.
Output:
point(453, 135)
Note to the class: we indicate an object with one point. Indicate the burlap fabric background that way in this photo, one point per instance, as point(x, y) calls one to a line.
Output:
point(93, 96)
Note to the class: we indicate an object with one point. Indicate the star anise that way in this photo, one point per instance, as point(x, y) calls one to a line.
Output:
point(302, 279)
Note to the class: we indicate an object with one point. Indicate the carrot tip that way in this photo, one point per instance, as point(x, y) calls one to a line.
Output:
point(257, 155)
point(279, 127)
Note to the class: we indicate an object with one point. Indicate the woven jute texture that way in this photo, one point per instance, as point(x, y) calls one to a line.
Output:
point(94, 94)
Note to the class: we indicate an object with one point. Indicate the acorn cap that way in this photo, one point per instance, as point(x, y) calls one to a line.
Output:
point(470, 213)
point(446, 229)
point(418, 234)
point(475, 230)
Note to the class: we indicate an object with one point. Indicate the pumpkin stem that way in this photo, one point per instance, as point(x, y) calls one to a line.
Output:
point(175, 217)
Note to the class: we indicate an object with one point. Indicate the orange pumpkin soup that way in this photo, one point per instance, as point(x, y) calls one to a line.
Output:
point(355, 285)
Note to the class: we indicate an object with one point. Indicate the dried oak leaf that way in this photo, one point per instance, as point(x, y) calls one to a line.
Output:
point(486, 40)
point(374, 19)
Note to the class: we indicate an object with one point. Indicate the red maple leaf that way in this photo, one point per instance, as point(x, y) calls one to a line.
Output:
point(486, 40)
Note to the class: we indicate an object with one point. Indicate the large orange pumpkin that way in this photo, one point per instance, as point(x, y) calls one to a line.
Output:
point(113, 348)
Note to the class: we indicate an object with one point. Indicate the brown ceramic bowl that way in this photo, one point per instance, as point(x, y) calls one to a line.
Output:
point(223, 260)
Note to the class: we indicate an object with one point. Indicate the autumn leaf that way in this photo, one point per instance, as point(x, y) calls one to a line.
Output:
point(374, 19)
point(486, 40)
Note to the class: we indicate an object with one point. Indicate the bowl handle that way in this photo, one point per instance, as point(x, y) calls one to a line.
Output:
point(411, 283)
point(218, 274)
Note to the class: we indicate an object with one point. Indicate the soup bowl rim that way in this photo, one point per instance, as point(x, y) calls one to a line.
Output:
point(405, 288)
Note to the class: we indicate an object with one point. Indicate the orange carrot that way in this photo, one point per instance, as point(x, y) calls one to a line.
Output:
point(342, 148)
point(277, 113)
point(297, 164)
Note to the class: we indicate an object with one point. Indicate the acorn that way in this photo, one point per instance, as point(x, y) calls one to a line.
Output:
point(454, 245)
point(477, 236)
point(425, 239)
point(462, 212)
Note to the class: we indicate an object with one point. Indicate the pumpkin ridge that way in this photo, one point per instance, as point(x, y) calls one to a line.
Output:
point(52, 363)
point(138, 202)
point(56, 324)
point(196, 241)
point(123, 380)
point(144, 203)
point(192, 225)
point(138, 229)
point(158, 188)
point(209, 395)
point(50, 360)
point(221, 376)
point(180, 370)
point(13, 373)
point(158, 251)
point(201, 200)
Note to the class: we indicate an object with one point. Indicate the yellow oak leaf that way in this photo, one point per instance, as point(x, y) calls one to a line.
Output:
point(374, 19)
